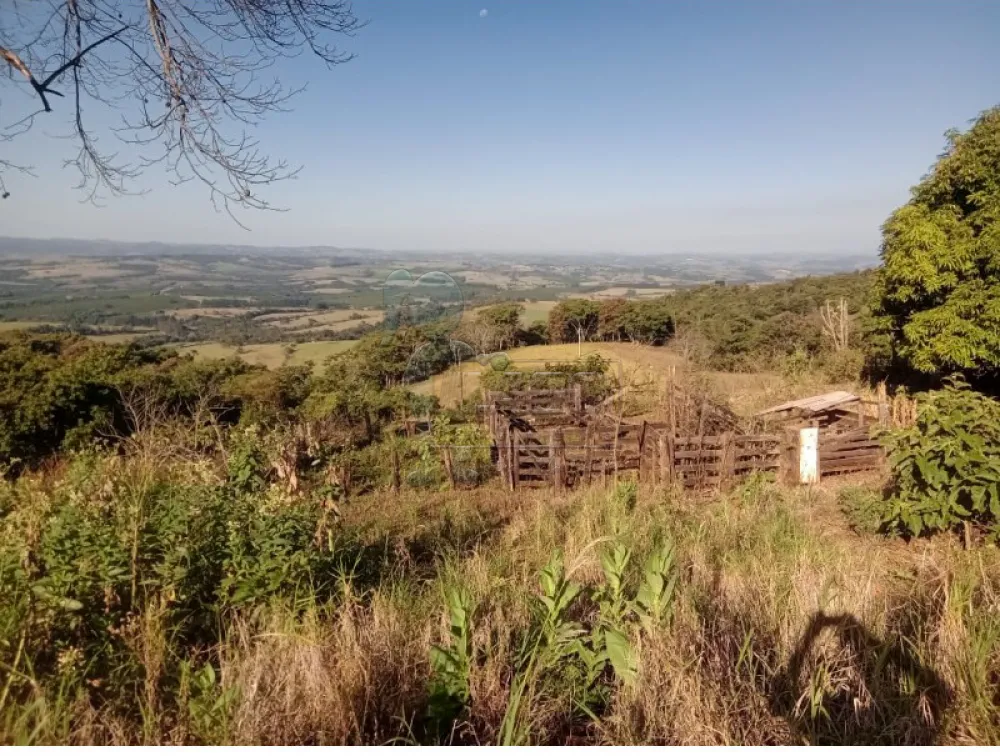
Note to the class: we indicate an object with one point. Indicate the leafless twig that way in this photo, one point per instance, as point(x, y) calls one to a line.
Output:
point(185, 76)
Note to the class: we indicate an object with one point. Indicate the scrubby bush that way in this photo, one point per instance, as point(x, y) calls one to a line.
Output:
point(844, 366)
point(863, 507)
point(591, 373)
point(946, 468)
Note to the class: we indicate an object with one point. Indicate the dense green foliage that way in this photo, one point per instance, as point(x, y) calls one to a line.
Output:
point(591, 373)
point(573, 320)
point(937, 294)
point(946, 468)
point(741, 328)
point(746, 327)
point(50, 386)
point(643, 321)
point(58, 390)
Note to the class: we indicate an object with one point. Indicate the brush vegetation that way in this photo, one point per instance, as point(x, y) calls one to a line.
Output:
point(160, 596)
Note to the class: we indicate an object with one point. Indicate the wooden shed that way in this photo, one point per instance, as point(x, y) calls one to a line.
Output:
point(837, 410)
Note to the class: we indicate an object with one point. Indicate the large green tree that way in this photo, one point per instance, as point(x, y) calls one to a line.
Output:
point(573, 320)
point(936, 301)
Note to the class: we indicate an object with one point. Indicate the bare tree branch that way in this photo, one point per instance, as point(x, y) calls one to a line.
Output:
point(184, 75)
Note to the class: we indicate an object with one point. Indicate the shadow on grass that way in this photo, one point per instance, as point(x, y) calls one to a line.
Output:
point(881, 693)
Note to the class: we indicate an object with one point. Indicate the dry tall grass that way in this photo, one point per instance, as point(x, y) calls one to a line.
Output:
point(787, 628)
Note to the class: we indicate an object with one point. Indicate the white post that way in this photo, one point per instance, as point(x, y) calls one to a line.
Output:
point(809, 455)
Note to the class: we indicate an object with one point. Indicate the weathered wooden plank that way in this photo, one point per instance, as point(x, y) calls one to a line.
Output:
point(695, 440)
point(597, 462)
point(860, 464)
point(769, 454)
point(847, 438)
point(557, 462)
point(851, 454)
point(849, 448)
point(533, 464)
point(698, 454)
point(840, 470)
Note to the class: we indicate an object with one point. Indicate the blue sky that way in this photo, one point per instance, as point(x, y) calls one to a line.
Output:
point(643, 127)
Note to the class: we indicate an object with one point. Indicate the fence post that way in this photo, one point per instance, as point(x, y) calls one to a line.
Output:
point(671, 406)
point(727, 460)
point(514, 459)
point(395, 470)
point(809, 455)
point(642, 447)
point(883, 405)
point(789, 465)
point(557, 458)
point(500, 441)
point(661, 458)
point(449, 467)
point(666, 448)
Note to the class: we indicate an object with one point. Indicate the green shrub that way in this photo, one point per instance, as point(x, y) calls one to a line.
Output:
point(591, 372)
point(796, 364)
point(864, 508)
point(946, 469)
point(844, 366)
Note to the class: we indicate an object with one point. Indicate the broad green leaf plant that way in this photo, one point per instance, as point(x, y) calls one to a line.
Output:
point(946, 468)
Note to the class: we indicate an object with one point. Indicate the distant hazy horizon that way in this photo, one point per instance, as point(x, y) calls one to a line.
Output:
point(65, 245)
point(701, 128)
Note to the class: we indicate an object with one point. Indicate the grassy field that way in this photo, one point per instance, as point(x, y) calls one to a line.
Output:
point(272, 355)
point(23, 325)
point(756, 616)
point(534, 312)
point(614, 292)
point(537, 311)
point(639, 366)
point(118, 338)
point(209, 312)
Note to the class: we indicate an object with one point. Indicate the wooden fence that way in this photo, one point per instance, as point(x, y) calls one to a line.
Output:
point(698, 461)
point(564, 457)
point(535, 408)
point(548, 437)
point(848, 452)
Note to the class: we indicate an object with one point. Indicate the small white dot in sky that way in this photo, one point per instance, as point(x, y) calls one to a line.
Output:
point(484, 13)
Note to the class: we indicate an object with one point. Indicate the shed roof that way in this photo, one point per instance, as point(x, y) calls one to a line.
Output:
point(814, 404)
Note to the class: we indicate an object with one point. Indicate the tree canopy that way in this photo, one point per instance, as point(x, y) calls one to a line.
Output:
point(937, 295)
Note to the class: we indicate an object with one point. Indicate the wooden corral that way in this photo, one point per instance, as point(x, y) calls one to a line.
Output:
point(564, 457)
point(688, 411)
point(549, 438)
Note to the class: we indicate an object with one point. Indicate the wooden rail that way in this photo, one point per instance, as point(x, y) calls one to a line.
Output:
point(563, 457)
point(853, 451)
point(565, 405)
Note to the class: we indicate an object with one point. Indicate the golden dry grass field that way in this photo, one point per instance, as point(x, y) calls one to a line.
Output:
point(640, 366)
point(272, 355)
point(23, 325)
